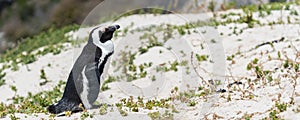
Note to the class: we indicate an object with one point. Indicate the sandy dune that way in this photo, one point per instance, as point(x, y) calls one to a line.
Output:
point(253, 97)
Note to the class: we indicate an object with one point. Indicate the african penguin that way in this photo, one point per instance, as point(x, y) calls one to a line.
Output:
point(83, 83)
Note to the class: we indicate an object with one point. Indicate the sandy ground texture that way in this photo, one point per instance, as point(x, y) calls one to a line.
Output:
point(237, 58)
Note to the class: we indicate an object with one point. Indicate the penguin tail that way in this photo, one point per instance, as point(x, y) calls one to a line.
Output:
point(52, 109)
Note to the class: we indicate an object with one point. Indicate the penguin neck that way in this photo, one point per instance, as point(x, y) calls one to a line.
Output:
point(106, 47)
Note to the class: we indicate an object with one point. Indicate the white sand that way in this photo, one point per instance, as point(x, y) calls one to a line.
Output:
point(27, 78)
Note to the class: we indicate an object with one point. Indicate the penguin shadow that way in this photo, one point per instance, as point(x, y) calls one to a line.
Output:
point(80, 110)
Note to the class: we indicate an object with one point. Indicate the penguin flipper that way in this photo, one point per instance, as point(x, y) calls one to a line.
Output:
point(91, 85)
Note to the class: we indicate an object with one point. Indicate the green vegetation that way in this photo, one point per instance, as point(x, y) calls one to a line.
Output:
point(255, 66)
point(25, 53)
point(274, 114)
point(109, 80)
point(192, 103)
point(212, 6)
point(13, 117)
point(202, 57)
point(158, 116)
point(85, 114)
point(48, 38)
point(281, 107)
point(268, 7)
point(2, 75)
point(152, 42)
point(134, 105)
point(103, 109)
point(171, 66)
point(263, 10)
point(230, 57)
point(43, 77)
point(130, 70)
point(32, 103)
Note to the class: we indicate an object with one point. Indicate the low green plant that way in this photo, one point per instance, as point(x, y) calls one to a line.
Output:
point(152, 42)
point(273, 115)
point(192, 103)
point(122, 112)
point(110, 79)
point(172, 66)
point(294, 12)
point(281, 106)
point(43, 77)
point(32, 103)
point(13, 117)
point(2, 75)
point(154, 115)
point(201, 58)
point(103, 109)
point(157, 116)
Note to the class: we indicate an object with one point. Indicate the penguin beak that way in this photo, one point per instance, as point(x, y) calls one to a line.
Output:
point(112, 28)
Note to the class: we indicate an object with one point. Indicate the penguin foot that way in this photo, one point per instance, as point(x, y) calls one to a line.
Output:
point(64, 105)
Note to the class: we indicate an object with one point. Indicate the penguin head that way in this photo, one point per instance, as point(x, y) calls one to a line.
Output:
point(107, 33)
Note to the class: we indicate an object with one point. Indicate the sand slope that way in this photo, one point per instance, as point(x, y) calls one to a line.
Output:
point(253, 97)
